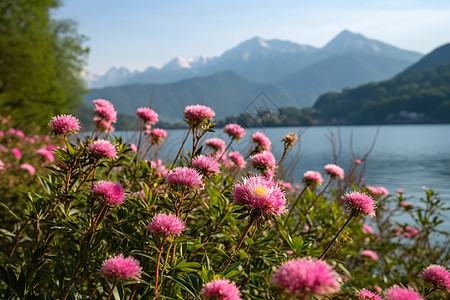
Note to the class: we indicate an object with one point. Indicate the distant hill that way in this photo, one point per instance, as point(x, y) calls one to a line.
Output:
point(226, 92)
point(419, 94)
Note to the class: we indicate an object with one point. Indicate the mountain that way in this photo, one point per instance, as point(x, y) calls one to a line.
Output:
point(255, 59)
point(419, 94)
point(171, 98)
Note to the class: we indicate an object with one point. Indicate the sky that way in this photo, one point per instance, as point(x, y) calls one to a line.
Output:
point(137, 34)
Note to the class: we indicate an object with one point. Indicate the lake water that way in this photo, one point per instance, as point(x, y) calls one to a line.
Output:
point(405, 157)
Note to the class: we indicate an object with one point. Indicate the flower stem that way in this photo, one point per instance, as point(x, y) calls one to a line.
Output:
point(112, 290)
point(334, 239)
point(181, 148)
point(158, 260)
point(293, 206)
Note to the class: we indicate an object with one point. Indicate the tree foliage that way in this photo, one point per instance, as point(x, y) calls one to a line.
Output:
point(40, 61)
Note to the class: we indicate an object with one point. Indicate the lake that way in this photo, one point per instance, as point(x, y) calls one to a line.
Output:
point(405, 157)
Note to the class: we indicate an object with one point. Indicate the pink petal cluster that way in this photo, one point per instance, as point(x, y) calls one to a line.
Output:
point(185, 177)
point(261, 140)
point(29, 168)
point(17, 153)
point(160, 169)
point(305, 276)
point(367, 295)
point(359, 203)
point(121, 268)
point(168, 225)
point(357, 161)
point(235, 131)
point(262, 193)
point(334, 171)
point(46, 154)
point(206, 164)
point(103, 148)
point(399, 293)
point(411, 231)
point(64, 124)
point(111, 192)
point(218, 145)
point(147, 115)
point(366, 229)
point(221, 289)
point(289, 140)
point(197, 115)
point(370, 254)
point(436, 275)
point(237, 159)
point(158, 135)
point(2, 165)
point(405, 204)
point(263, 161)
point(105, 115)
point(312, 178)
point(378, 191)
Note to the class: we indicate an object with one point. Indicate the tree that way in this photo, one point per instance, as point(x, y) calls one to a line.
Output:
point(41, 61)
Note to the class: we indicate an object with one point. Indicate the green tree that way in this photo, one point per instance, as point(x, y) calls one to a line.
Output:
point(41, 61)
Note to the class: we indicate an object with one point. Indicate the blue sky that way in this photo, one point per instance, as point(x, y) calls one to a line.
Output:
point(140, 33)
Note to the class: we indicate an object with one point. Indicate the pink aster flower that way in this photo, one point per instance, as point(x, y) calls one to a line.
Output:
point(64, 124)
point(357, 161)
point(334, 171)
point(111, 192)
point(359, 203)
point(2, 165)
point(306, 276)
point(46, 154)
point(121, 268)
point(221, 289)
point(235, 131)
point(366, 229)
point(147, 115)
point(237, 159)
point(312, 178)
point(168, 225)
point(436, 275)
point(400, 192)
point(261, 140)
point(263, 161)
point(218, 145)
point(159, 167)
point(17, 153)
point(378, 191)
point(405, 204)
point(105, 110)
point(183, 177)
point(399, 293)
point(411, 231)
point(367, 295)
point(29, 168)
point(198, 115)
point(370, 254)
point(206, 164)
point(260, 193)
point(134, 147)
point(103, 148)
point(158, 135)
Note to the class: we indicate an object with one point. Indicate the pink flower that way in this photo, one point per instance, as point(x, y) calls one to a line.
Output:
point(206, 164)
point(359, 203)
point(221, 289)
point(17, 153)
point(168, 225)
point(103, 148)
point(334, 171)
point(2, 165)
point(159, 167)
point(263, 161)
point(367, 295)
point(436, 275)
point(158, 135)
point(312, 178)
point(183, 177)
point(237, 159)
point(103, 125)
point(260, 193)
point(398, 293)
point(370, 254)
point(400, 192)
point(134, 147)
point(147, 115)
point(218, 145)
point(46, 154)
point(111, 192)
point(105, 110)
point(235, 131)
point(285, 185)
point(305, 276)
point(306, 228)
point(20, 134)
point(262, 140)
point(198, 115)
point(64, 124)
point(358, 162)
point(366, 229)
point(378, 191)
point(29, 168)
point(121, 268)
point(289, 140)
point(411, 232)
point(405, 204)
point(289, 252)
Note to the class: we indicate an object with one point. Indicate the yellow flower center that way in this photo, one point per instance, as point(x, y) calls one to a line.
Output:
point(260, 192)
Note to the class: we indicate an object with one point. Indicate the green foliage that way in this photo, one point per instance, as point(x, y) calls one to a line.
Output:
point(40, 62)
